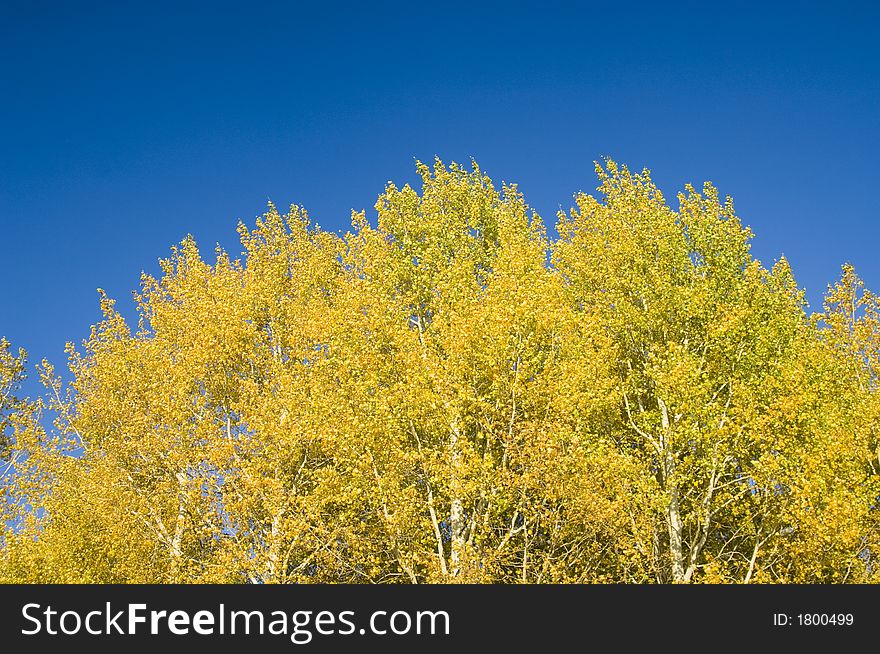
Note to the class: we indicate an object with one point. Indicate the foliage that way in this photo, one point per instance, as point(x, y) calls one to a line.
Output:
point(449, 395)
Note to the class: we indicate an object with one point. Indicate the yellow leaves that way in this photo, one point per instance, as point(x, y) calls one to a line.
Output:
point(12, 373)
point(429, 400)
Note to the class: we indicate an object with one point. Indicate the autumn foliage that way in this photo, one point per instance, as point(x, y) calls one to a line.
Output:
point(449, 395)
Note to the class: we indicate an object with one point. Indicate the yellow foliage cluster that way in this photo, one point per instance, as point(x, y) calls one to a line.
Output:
point(449, 395)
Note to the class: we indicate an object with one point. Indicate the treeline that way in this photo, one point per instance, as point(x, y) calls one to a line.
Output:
point(451, 396)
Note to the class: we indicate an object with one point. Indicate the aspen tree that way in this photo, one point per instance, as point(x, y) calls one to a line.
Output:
point(446, 394)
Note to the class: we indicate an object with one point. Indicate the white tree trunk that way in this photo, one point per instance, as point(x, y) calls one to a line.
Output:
point(673, 508)
point(457, 521)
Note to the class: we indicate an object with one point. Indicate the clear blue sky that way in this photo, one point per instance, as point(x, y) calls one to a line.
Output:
point(125, 126)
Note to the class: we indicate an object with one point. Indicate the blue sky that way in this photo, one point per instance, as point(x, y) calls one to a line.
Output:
point(125, 126)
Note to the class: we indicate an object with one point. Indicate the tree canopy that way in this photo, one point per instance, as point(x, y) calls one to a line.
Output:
point(451, 395)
